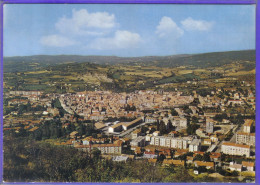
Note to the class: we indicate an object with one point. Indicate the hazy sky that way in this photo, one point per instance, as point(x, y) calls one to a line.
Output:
point(126, 30)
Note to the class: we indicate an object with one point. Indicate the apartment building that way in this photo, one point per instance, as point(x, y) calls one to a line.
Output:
point(245, 138)
point(170, 142)
point(235, 149)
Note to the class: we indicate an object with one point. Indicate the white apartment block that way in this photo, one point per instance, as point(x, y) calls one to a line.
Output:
point(247, 127)
point(150, 120)
point(195, 145)
point(179, 122)
point(179, 143)
point(245, 138)
point(155, 140)
point(138, 142)
point(104, 148)
point(162, 141)
point(169, 142)
point(209, 126)
point(235, 149)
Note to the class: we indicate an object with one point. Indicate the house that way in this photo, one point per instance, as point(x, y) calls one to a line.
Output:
point(150, 155)
point(207, 142)
point(214, 138)
point(208, 165)
point(86, 141)
point(215, 156)
point(180, 152)
point(74, 134)
point(174, 162)
point(248, 166)
point(235, 167)
point(189, 160)
point(120, 158)
point(153, 161)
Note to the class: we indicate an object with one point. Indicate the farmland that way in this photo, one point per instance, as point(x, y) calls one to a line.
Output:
point(128, 74)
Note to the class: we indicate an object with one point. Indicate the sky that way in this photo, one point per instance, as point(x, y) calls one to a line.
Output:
point(126, 29)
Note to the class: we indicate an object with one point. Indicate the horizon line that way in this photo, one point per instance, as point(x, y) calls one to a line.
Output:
point(129, 56)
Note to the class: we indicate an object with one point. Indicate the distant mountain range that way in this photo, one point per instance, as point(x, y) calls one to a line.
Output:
point(36, 62)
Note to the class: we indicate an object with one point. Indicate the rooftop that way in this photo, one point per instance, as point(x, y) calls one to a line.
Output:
point(248, 164)
point(236, 145)
point(248, 122)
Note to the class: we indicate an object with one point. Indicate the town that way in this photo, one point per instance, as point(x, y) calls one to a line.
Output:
point(165, 128)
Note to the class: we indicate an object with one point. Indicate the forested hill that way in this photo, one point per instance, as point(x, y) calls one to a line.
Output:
point(209, 59)
point(27, 63)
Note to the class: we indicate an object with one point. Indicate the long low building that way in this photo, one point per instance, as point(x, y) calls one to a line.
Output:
point(111, 148)
point(124, 125)
point(170, 142)
point(235, 149)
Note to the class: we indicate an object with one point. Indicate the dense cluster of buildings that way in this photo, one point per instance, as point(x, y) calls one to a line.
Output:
point(103, 104)
point(150, 109)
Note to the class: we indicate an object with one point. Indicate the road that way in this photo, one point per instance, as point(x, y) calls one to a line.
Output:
point(232, 140)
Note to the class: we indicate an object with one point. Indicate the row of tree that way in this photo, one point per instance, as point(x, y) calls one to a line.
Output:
point(30, 161)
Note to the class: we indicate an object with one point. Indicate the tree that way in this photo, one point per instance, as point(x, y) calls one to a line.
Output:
point(198, 158)
point(144, 129)
point(235, 173)
point(161, 157)
point(170, 126)
point(202, 169)
point(181, 175)
point(191, 129)
point(206, 156)
point(96, 153)
point(174, 112)
point(162, 128)
point(194, 119)
point(220, 117)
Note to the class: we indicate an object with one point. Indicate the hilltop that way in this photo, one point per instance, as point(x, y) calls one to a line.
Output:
point(36, 62)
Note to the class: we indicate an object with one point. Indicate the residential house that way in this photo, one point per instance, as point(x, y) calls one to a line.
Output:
point(248, 166)
point(208, 165)
point(174, 162)
point(235, 167)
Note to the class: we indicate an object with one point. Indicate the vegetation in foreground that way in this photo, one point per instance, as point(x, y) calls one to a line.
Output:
point(27, 160)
